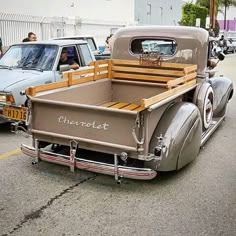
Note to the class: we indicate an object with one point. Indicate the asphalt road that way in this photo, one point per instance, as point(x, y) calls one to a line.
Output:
point(49, 200)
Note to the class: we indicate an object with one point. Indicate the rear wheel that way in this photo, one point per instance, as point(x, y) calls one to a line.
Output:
point(204, 101)
point(208, 108)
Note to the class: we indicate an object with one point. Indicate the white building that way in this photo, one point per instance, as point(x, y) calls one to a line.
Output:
point(161, 12)
point(108, 10)
point(54, 18)
point(64, 17)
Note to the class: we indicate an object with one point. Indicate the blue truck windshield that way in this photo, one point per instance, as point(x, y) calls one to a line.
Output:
point(30, 56)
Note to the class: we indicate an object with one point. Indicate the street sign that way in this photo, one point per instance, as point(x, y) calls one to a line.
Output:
point(207, 22)
point(198, 22)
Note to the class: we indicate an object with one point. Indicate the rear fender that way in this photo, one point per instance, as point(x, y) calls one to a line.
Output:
point(181, 129)
point(223, 92)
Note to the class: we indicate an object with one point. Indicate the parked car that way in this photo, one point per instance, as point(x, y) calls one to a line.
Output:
point(31, 64)
point(163, 47)
point(226, 45)
point(231, 46)
point(231, 35)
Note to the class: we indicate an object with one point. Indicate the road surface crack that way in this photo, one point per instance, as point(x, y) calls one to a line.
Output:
point(37, 214)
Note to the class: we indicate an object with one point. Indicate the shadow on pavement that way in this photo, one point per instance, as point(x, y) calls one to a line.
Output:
point(5, 128)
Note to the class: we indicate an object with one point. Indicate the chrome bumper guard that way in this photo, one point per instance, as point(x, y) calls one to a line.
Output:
point(93, 166)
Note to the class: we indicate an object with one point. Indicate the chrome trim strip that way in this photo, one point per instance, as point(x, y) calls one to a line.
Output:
point(93, 166)
point(206, 135)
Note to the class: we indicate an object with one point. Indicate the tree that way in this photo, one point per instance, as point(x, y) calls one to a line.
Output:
point(218, 3)
point(192, 11)
point(226, 4)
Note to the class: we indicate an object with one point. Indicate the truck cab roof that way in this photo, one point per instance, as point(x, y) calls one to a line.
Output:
point(190, 43)
point(60, 43)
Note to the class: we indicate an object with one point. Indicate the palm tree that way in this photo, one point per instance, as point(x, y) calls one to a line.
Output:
point(218, 3)
point(226, 4)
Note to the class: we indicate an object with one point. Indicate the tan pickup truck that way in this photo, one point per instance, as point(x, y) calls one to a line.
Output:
point(147, 109)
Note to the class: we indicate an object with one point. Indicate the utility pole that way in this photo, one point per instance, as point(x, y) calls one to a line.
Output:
point(212, 14)
point(225, 16)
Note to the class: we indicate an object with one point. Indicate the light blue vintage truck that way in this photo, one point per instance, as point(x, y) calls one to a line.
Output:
point(31, 64)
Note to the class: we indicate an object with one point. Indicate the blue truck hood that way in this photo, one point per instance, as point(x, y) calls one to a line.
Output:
point(10, 77)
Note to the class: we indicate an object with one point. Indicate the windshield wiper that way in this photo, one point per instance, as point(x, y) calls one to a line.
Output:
point(5, 67)
point(31, 68)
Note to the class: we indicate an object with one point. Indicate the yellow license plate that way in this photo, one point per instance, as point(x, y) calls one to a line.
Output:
point(14, 113)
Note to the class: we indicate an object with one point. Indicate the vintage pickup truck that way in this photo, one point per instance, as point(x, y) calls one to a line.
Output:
point(148, 109)
point(31, 64)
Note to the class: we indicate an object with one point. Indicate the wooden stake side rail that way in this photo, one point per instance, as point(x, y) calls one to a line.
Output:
point(138, 77)
point(176, 77)
point(150, 101)
point(153, 71)
point(74, 77)
point(163, 64)
point(184, 79)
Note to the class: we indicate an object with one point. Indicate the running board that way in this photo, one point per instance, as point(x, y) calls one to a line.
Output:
point(214, 125)
point(93, 166)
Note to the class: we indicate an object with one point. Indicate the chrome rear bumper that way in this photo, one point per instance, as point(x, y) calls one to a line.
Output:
point(93, 166)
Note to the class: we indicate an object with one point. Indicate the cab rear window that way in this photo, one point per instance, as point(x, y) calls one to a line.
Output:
point(165, 47)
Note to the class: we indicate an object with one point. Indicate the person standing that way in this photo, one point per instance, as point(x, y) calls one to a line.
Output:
point(211, 32)
point(108, 44)
point(223, 44)
point(1, 51)
point(31, 37)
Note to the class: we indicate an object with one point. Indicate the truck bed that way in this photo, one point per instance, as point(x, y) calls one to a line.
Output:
point(101, 107)
point(170, 78)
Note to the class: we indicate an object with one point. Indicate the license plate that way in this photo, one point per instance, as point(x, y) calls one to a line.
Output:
point(14, 113)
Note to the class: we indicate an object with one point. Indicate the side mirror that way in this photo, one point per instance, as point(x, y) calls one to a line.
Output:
point(64, 68)
point(221, 56)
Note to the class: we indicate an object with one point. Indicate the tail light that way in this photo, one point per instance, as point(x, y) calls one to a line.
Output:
point(10, 99)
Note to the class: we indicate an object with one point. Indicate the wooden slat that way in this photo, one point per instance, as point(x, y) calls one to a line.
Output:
point(109, 69)
point(99, 62)
point(148, 71)
point(190, 69)
point(104, 68)
point(85, 71)
point(69, 79)
point(137, 63)
point(33, 90)
point(139, 108)
point(131, 107)
point(95, 70)
point(91, 63)
point(44, 87)
point(102, 76)
point(180, 80)
point(82, 80)
point(119, 105)
point(30, 91)
point(81, 72)
point(108, 104)
point(150, 101)
point(141, 77)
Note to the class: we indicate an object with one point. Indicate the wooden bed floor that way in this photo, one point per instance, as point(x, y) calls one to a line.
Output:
point(123, 106)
